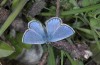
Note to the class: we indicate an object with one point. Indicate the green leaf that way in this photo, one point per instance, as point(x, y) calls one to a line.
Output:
point(89, 2)
point(12, 16)
point(95, 14)
point(74, 62)
point(95, 23)
point(86, 32)
point(51, 58)
point(96, 53)
point(74, 3)
point(15, 3)
point(18, 45)
point(5, 49)
point(94, 33)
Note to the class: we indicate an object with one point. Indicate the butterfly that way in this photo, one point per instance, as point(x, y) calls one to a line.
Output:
point(54, 31)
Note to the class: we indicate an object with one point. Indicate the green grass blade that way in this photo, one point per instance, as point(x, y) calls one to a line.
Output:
point(51, 58)
point(96, 38)
point(3, 2)
point(70, 59)
point(74, 62)
point(62, 57)
point(12, 16)
point(74, 11)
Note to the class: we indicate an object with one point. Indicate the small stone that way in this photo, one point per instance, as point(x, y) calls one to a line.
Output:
point(31, 56)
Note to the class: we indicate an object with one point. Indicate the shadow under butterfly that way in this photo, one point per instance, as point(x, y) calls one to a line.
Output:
point(54, 31)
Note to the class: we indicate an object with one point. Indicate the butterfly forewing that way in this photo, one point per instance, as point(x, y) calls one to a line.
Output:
point(35, 34)
point(51, 25)
point(37, 27)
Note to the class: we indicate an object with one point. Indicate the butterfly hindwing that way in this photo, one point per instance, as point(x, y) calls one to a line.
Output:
point(32, 37)
point(62, 32)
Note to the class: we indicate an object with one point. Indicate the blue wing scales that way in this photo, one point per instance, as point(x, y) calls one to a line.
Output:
point(62, 32)
point(52, 24)
point(36, 26)
point(32, 37)
point(56, 30)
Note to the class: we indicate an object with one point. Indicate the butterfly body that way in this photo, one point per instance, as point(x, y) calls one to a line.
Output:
point(54, 31)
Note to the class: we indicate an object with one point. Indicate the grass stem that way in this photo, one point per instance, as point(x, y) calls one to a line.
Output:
point(12, 16)
point(74, 11)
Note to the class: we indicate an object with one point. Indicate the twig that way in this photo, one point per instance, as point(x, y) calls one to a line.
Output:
point(58, 8)
point(44, 59)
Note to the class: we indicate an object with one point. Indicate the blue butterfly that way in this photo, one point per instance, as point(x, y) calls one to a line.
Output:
point(54, 31)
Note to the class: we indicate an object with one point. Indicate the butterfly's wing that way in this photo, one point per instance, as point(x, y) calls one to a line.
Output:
point(36, 25)
point(60, 32)
point(52, 24)
point(35, 34)
point(32, 37)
